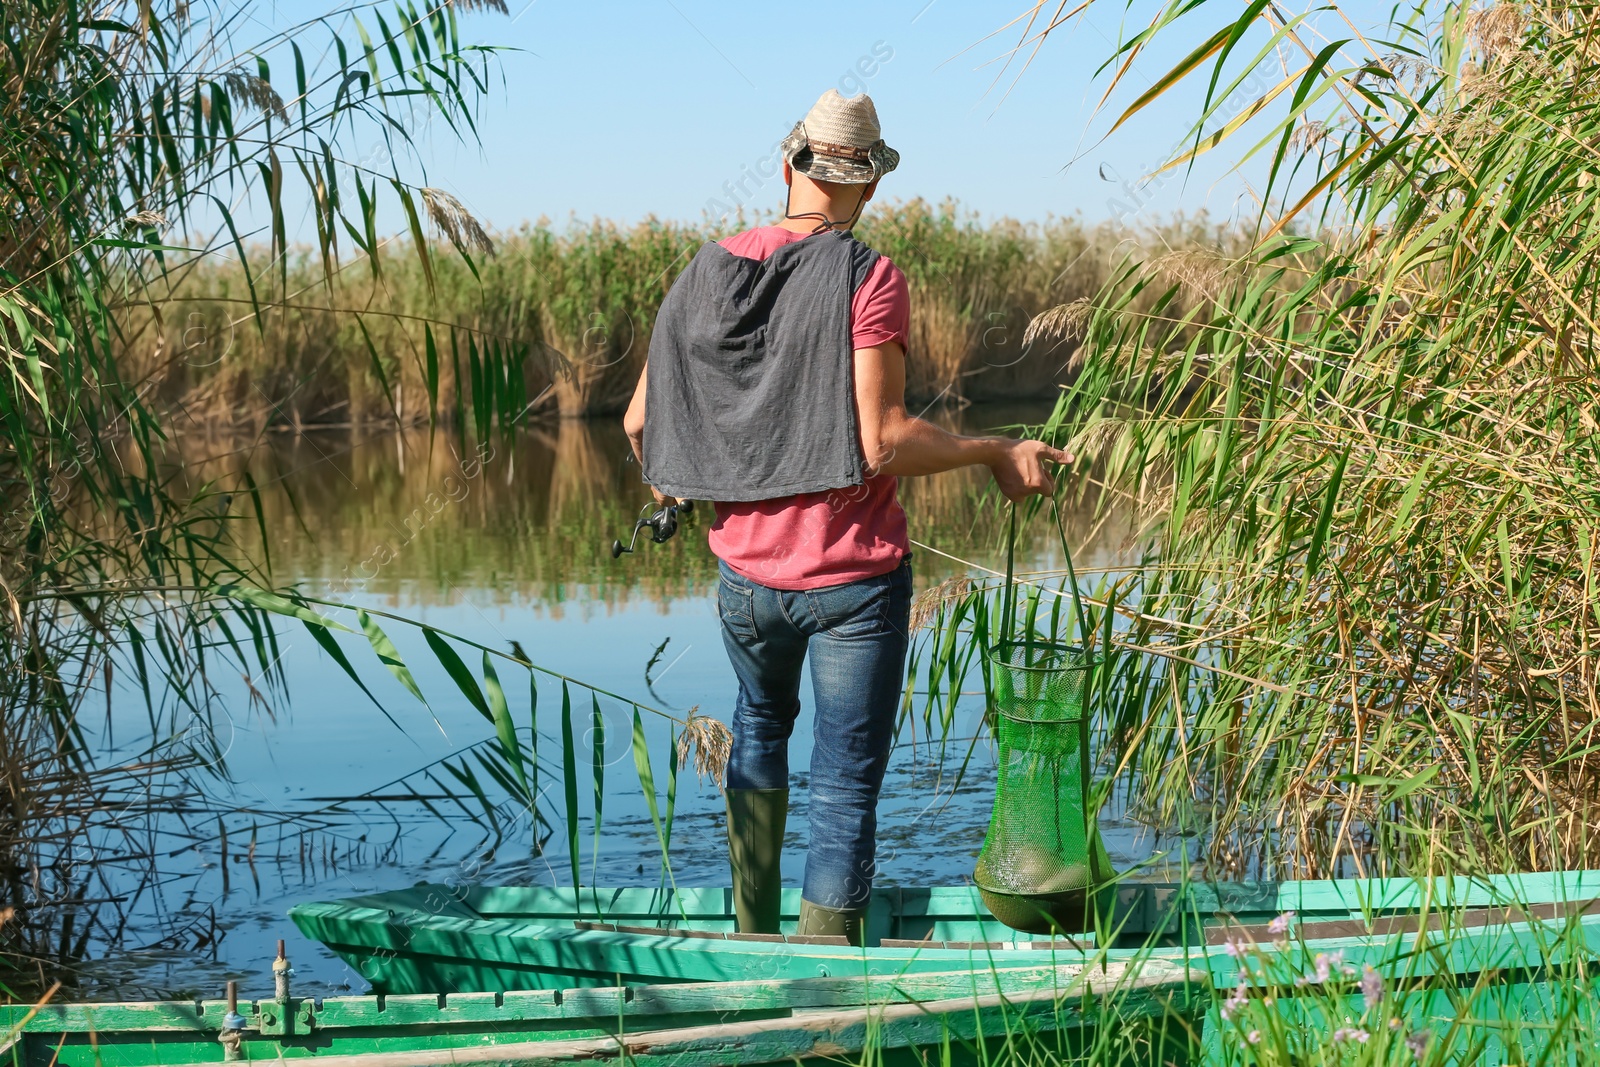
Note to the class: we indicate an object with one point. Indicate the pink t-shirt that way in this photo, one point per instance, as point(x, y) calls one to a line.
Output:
point(842, 535)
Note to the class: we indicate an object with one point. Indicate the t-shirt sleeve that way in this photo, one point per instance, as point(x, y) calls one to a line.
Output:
point(880, 312)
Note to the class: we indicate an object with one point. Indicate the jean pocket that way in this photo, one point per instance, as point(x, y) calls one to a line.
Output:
point(736, 609)
point(859, 609)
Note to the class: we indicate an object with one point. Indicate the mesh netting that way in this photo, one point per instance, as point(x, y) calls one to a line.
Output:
point(1035, 867)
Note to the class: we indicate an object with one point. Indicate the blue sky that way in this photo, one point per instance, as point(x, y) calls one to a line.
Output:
point(622, 110)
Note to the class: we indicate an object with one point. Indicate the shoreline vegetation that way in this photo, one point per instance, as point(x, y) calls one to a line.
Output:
point(567, 312)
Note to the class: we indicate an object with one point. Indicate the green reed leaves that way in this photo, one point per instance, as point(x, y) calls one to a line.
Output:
point(1363, 462)
point(131, 130)
point(597, 761)
point(569, 783)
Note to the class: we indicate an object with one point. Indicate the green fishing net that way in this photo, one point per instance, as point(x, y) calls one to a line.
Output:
point(1036, 867)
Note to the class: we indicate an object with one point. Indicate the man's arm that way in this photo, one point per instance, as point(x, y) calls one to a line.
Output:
point(633, 426)
point(633, 419)
point(893, 441)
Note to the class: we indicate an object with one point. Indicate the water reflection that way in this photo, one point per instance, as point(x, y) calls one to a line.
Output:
point(433, 519)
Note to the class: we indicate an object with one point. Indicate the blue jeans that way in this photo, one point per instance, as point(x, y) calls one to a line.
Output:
point(857, 634)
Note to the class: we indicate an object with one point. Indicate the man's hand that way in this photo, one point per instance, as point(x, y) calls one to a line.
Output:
point(662, 499)
point(1020, 471)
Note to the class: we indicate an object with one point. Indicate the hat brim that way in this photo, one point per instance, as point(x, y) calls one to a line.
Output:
point(881, 159)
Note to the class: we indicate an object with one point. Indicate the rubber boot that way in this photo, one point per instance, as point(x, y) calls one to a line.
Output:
point(756, 820)
point(850, 924)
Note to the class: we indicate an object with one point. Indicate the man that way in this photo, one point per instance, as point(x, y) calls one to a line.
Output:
point(775, 387)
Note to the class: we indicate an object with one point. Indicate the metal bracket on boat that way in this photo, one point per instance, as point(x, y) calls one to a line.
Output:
point(298, 1017)
point(281, 972)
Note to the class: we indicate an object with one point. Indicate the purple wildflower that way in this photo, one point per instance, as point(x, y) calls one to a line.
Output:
point(1234, 949)
point(1417, 1042)
point(1236, 1002)
point(1253, 1037)
point(1371, 987)
point(1281, 924)
point(1325, 964)
point(1351, 1033)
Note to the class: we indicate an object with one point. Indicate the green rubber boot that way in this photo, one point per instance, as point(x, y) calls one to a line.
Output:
point(815, 920)
point(756, 820)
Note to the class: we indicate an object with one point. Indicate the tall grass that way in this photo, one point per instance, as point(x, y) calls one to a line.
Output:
point(584, 300)
point(1365, 627)
point(122, 121)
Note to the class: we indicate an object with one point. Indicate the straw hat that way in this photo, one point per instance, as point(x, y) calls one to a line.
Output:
point(840, 141)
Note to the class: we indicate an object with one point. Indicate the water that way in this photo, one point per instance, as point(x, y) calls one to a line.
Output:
point(319, 790)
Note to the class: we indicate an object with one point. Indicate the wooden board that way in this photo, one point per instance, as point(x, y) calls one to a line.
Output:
point(556, 1025)
point(825, 1034)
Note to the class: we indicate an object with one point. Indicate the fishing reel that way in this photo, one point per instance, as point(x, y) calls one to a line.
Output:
point(662, 524)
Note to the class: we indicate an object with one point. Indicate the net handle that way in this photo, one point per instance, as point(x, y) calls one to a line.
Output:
point(1008, 603)
point(1009, 599)
point(1072, 576)
point(1091, 825)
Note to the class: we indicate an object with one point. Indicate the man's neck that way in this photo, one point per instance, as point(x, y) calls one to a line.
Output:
point(810, 203)
point(810, 222)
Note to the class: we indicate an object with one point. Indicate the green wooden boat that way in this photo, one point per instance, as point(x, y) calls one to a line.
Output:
point(1497, 967)
point(1496, 981)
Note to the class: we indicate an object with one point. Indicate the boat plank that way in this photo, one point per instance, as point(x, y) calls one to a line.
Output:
point(829, 1033)
point(1384, 925)
point(528, 947)
point(397, 1012)
point(404, 947)
point(1526, 946)
point(711, 935)
point(1359, 895)
point(159, 1016)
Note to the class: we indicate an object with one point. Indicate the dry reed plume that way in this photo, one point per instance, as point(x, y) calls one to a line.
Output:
point(709, 742)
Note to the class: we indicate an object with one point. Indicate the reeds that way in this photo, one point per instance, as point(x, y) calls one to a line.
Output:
point(582, 300)
point(121, 120)
point(1366, 619)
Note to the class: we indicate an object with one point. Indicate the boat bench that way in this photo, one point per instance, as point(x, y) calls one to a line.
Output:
point(1383, 925)
point(712, 935)
point(1061, 943)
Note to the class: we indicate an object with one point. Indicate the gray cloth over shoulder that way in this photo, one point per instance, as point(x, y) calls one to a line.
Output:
point(751, 392)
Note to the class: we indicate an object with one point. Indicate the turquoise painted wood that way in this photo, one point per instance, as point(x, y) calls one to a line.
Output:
point(956, 1018)
point(1519, 1019)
